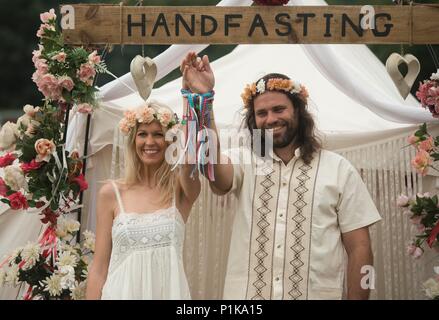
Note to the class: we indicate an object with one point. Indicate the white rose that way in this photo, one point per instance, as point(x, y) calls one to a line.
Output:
point(8, 135)
point(14, 177)
point(61, 230)
point(24, 121)
point(30, 110)
point(435, 76)
point(72, 225)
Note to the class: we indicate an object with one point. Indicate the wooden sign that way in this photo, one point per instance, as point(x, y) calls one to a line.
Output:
point(113, 24)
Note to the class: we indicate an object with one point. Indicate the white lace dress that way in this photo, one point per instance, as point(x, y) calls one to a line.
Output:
point(147, 256)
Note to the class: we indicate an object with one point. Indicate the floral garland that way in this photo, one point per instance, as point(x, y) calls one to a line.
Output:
point(39, 173)
point(273, 84)
point(423, 209)
point(65, 74)
point(146, 114)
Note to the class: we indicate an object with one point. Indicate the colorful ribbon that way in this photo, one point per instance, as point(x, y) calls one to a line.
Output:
point(198, 111)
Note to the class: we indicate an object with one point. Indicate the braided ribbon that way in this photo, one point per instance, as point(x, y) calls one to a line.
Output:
point(198, 111)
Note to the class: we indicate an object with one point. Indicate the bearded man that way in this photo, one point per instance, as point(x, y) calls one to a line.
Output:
point(295, 223)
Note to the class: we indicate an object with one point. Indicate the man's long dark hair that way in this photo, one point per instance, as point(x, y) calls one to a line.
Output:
point(305, 137)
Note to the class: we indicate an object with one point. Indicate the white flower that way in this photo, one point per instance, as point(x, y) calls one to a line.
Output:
point(14, 177)
point(24, 121)
point(30, 254)
point(435, 76)
point(30, 110)
point(164, 116)
point(297, 87)
point(2, 277)
point(85, 272)
point(90, 240)
point(88, 234)
point(65, 227)
point(52, 285)
point(260, 86)
point(431, 287)
point(402, 201)
point(8, 135)
point(12, 275)
point(68, 281)
point(64, 270)
point(67, 259)
point(61, 231)
point(78, 292)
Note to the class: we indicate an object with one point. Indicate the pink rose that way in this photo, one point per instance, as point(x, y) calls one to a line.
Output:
point(42, 30)
point(41, 66)
point(48, 85)
point(60, 57)
point(402, 201)
point(413, 139)
point(94, 58)
point(417, 253)
point(422, 93)
point(164, 116)
point(3, 188)
point(86, 72)
point(145, 115)
point(66, 82)
point(36, 54)
point(44, 148)
point(421, 162)
point(47, 16)
point(84, 108)
point(124, 127)
point(17, 201)
point(29, 166)
point(7, 160)
point(82, 183)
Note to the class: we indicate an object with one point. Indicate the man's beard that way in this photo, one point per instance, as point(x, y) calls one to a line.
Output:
point(288, 137)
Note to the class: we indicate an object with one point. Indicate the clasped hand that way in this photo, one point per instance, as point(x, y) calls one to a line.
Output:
point(197, 74)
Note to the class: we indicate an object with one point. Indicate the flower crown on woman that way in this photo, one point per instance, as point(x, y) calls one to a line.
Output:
point(147, 114)
point(273, 84)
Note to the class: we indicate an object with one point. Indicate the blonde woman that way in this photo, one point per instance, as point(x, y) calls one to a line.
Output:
point(141, 219)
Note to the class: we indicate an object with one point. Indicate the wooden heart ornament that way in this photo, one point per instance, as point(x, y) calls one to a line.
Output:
point(143, 71)
point(403, 84)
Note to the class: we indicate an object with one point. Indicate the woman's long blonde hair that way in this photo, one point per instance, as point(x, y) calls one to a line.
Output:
point(165, 177)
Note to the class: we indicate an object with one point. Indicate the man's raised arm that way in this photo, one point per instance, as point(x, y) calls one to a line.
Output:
point(198, 78)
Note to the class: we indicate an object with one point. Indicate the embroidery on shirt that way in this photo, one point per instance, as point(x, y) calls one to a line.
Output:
point(298, 232)
point(262, 238)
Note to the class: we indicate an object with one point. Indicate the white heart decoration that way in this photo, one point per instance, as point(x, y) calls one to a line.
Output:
point(403, 84)
point(143, 71)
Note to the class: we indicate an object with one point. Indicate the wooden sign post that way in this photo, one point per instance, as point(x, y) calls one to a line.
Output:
point(112, 24)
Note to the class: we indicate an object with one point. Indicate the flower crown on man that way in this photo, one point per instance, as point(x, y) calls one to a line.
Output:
point(147, 113)
point(273, 84)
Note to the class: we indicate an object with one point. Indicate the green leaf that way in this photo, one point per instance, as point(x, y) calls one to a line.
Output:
point(4, 200)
